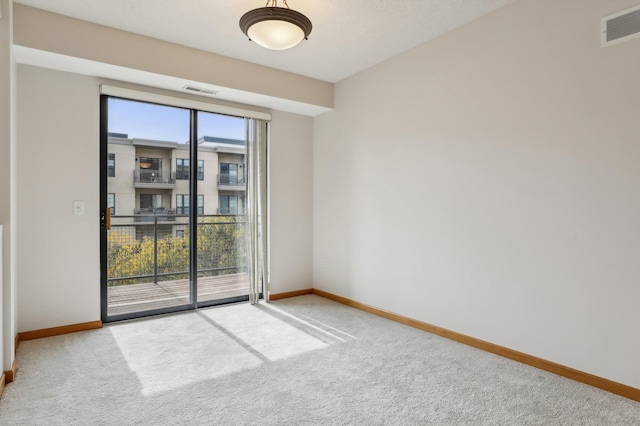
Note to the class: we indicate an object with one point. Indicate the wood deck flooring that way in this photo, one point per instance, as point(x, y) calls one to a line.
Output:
point(131, 298)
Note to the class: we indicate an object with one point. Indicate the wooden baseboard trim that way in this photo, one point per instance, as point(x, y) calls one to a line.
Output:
point(287, 294)
point(57, 331)
point(552, 367)
point(10, 375)
point(2, 383)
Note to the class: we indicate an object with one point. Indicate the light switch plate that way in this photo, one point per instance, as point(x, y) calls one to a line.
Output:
point(78, 207)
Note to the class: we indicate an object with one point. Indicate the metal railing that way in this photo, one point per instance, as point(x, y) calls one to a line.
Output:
point(154, 213)
point(230, 180)
point(230, 211)
point(154, 176)
point(144, 252)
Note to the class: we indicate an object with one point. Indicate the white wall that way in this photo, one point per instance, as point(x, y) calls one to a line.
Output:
point(291, 202)
point(58, 162)
point(487, 182)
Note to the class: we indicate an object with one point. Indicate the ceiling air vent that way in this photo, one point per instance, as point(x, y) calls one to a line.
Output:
point(621, 26)
point(200, 90)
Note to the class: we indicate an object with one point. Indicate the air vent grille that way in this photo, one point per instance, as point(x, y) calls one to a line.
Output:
point(621, 26)
point(200, 90)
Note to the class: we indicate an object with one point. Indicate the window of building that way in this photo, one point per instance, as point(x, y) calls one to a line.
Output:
point(182, 169)
point(228, 174)
point(147, 163)
point(182, 204)
point(228, 204)
point(111, 165)
point(150, 202)
point(150, 169)
point(179, 233)
point(200, 204)
point(111, 203)
point(200, 169)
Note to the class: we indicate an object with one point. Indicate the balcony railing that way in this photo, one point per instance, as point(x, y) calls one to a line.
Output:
point(154, 178)
point(141, 253)
point(230, 211)
point(154, 214)
point(225, 179)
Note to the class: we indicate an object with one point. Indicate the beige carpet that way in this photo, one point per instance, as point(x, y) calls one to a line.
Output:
point(299, 361)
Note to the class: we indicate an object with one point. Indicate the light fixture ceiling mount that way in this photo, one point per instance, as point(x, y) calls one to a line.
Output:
point(275, 28)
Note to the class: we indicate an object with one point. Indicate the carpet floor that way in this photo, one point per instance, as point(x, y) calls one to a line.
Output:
point(299, 361)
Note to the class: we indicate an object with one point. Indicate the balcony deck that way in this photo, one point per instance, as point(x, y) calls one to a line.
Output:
point(132, 298)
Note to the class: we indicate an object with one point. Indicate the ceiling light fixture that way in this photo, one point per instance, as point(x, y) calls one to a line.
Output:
point(275, 28)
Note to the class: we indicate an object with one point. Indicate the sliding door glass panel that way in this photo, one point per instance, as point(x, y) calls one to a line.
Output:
point(221, 234)
point(147, 253)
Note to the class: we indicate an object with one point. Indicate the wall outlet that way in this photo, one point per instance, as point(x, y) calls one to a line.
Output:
point(324, 262)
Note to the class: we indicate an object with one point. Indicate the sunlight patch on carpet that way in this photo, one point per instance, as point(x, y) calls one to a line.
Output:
point(271, 337)
point(308, 322)
point(180, 350)
point(171, 352)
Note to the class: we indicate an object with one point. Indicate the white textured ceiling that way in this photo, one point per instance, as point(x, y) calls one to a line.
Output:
point(348, 35)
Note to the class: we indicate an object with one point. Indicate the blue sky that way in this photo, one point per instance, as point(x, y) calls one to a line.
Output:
point(150, 121)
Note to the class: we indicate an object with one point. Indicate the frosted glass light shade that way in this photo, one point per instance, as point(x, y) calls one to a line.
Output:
point(276, 35)
point(275, 28)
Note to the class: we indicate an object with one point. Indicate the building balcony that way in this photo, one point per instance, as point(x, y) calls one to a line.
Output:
point(148, 263)
point(227, 211)
point(132, 298)
point(157, 214)
point(229, 182)
point(154, 179)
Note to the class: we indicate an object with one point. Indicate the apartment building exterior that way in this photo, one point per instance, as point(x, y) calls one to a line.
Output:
point(148, 180)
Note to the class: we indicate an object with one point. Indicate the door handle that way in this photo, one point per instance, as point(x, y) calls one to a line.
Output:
point(105, 219)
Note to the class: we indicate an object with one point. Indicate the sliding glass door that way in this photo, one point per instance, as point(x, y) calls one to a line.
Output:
point(171, 239)
point(222, 237)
